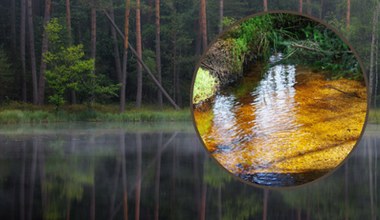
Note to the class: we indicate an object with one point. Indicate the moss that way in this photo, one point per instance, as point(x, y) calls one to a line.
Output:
point(205, 86)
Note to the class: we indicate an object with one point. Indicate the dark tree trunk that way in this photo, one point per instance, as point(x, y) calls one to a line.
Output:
point(115, 45)
point(93, 30)
point(375, 19)
point(198, 39)
point(300, 6)
point(22, 50)
point(13, 26)
point(221, 9)
point(139, 54)
point(265, 5)
point(32, 51)
point(308, 2)
point(70, 39)
point(45, 45)
point(203, 24)
point(93, 202)
point(321, 9)
point(348, 15)
point(158, 51)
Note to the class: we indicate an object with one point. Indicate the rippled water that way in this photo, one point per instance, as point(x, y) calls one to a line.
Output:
point(104, 171)
point(285, 120)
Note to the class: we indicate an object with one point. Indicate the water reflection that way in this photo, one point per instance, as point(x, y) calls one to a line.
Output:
point(97, 174)
point(274, 100)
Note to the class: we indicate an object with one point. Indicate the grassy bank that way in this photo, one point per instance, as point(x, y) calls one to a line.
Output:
point(374, 116)
point(15, 113)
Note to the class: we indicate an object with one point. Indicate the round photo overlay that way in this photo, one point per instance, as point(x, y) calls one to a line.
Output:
point(279, 100)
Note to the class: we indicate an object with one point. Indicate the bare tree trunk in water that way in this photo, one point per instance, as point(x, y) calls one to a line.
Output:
point(173, 183)
point(22, 50)
point(139, 54)
point(300, 6)
point(157, 179)
point(32, 51)
point(32, 178)
point(221, 8)
point(375, 19)
point(265, 2)
point(203, 194)
point(93, 202)
point(124, 176)
point(45, 46)
point(203, 24)
point(22, 183)
point(370, 155)
point(116, 179)
point(220, 216)
point(41, 165)
point(348, 18)
point(138, 175)
point(158, 50)
point(68, 209)
point(196, 180)
point(265, 204)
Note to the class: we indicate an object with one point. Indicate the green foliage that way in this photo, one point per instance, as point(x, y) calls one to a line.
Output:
point(204, 86)
point(69, 70)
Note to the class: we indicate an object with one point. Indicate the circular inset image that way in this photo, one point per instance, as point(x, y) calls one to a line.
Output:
point(279, 100)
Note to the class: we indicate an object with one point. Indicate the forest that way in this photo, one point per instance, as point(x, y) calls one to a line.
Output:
point(131, 56)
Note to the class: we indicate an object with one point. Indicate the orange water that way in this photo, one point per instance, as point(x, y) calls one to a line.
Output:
point(291, 120)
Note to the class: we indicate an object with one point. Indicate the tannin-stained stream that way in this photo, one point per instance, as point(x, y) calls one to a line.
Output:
point(285, 126)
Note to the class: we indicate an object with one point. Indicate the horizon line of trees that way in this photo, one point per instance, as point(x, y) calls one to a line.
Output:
point(169, 36)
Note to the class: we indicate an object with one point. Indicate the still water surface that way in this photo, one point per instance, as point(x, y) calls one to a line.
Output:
point(161, 171)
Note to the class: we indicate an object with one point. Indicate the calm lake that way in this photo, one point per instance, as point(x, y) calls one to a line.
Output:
point(161, 171)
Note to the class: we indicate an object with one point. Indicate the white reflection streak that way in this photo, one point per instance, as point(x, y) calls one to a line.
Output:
point(274, 101)
point(224, 118)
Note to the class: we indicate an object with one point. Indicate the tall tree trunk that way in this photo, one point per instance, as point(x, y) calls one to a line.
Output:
point(93, 30)
point(221, 9)
point(158, 50)
point(115, 45)
point(265, 5)
point(32, 51)
point(138, 175)
point(375, 19)
point(321, 9)
point(139, 54)
point(203, 24)
point(70, 39)
point(308, 2)
point(348, 15)
point(22, 50)
point(68, 22)
point(300, 6)
point(45, 45)
point(13, 26)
